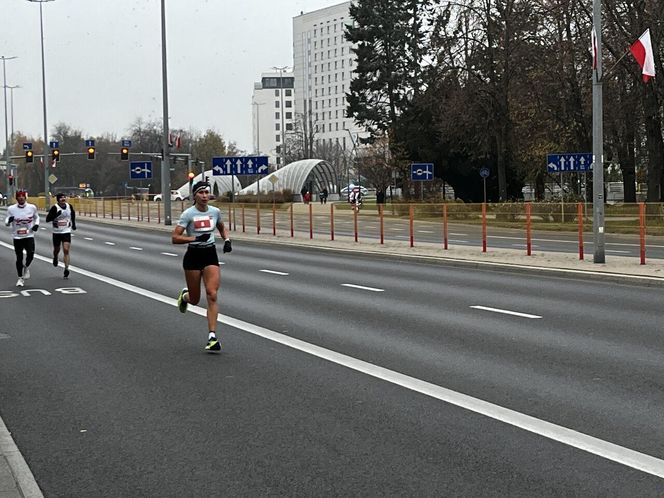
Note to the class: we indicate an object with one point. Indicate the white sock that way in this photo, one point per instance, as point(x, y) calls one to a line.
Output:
point(212, 335)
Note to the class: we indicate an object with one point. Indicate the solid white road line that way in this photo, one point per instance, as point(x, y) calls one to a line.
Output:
point(596, 446)
point(362, 287)
point(274, 272)
point(136, 248)
point(505, 312)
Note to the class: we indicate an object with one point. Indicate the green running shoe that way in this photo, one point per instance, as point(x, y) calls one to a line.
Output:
point(213, 345)
point(182, 304)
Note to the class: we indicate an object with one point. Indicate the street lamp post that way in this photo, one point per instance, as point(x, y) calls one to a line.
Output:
point(11, 106)
point(4, 84)
point(281, 70)
point(47, 150)
point(165, 166)
point(598, 141)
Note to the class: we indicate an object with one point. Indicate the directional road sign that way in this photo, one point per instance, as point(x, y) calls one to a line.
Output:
point(140, 170)
point(239, 165)
point(27, 145)
point(421, 171)
point(557, 163)
point(126, 143)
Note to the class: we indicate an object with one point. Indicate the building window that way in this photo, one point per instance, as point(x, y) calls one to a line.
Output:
point(277, 138)
point(277, 126)
point(278, 159)
point(276, 93)
point(289, 115)
point(277, 115)
point(289, 126)
point(276, 104)
point(289, 103)
point(337, 126)
point(289, 93)
point(278, 149)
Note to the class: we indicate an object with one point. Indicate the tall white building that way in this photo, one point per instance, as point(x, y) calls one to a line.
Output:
point(273, 113)
point(322, 65)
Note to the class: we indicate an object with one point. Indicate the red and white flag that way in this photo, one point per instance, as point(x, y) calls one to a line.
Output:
point(178, 141)
point(593, 41)
point(642, 51)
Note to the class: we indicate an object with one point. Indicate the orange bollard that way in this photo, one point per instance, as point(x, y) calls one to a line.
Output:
point(484, 227)
point(642, 231)
point(445, 226)
point(412, 228)
point(529, 245)
point(579, 216)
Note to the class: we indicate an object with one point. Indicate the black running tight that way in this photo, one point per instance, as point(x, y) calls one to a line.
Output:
point(27, 245)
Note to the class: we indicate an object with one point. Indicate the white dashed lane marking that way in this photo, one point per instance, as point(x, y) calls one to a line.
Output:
point(88, 238)
point(109, 243)
point(273, 272)
point(505, 312)
point(362, 287)
point(135, 248)
point(169, 254)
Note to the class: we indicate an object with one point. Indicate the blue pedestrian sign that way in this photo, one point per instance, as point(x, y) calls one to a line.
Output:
point(126, 143)
point(421, 171)
point(27, 145)
point(140, 170)
point(484, 172)
point(569, 161)
point(240, 165)
point(89, 143)
point(54, 144)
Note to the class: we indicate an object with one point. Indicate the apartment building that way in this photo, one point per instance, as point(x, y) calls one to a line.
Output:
point(273, 113)
point(323, 66)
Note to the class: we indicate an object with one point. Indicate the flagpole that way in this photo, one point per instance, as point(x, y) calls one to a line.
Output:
point(598, 142)
point(617, 62)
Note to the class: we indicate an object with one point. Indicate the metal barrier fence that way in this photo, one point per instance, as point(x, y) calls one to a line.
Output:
point(381, 223)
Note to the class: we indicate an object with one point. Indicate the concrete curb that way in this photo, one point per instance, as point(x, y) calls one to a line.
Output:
point(16, 479)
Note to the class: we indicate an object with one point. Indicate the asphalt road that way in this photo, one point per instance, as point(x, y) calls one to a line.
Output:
point(340, 375)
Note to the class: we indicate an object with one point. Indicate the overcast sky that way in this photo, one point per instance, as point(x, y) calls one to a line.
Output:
point(103, 62)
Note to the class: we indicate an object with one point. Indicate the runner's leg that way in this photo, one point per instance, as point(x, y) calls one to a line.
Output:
point(211, 278)
point(65, 252)
point(18, 249)
point(193, 279)
point(29, 250)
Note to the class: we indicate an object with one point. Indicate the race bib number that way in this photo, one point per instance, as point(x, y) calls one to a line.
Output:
point(22, 231)
point(63, 223)
point(203, 223)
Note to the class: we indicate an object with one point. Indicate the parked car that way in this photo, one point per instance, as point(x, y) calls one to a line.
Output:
point(175, 196)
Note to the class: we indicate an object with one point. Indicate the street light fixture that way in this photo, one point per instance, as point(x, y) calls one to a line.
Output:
point(47, 151)
point(165, 166)
point(4, 84)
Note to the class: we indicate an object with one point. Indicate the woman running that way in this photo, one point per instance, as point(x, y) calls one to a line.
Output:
point(201, 261)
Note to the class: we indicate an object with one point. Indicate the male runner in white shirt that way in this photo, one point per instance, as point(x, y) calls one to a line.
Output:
point(24, 219)
point(63, 217)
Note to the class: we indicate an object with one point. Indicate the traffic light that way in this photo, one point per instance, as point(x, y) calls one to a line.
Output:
point(29, 156)
point(191, 176)
point(91, 152)
point(124, 153)
point(56, 154)
point(11, 180)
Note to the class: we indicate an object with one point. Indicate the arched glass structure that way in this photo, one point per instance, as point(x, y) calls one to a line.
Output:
point(219, 185)
point(309, 174)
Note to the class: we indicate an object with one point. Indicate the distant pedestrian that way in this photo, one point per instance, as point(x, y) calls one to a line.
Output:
point(201, 261)
point(307, 197)
point(24, 219)
point(323, 196)
point(63, 217)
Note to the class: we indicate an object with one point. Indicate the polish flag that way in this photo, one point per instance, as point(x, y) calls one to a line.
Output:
point(642, 52)
point(178, 141)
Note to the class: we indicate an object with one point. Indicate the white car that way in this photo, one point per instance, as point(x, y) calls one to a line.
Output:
point(345, 190)
point(175, 196)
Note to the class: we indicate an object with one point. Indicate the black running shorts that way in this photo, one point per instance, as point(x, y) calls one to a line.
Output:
point(197, 258)
point(59, 238)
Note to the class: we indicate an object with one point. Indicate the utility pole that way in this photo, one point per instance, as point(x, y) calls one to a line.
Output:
point(165, 155)
point(598, 140)
point(8, 171)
